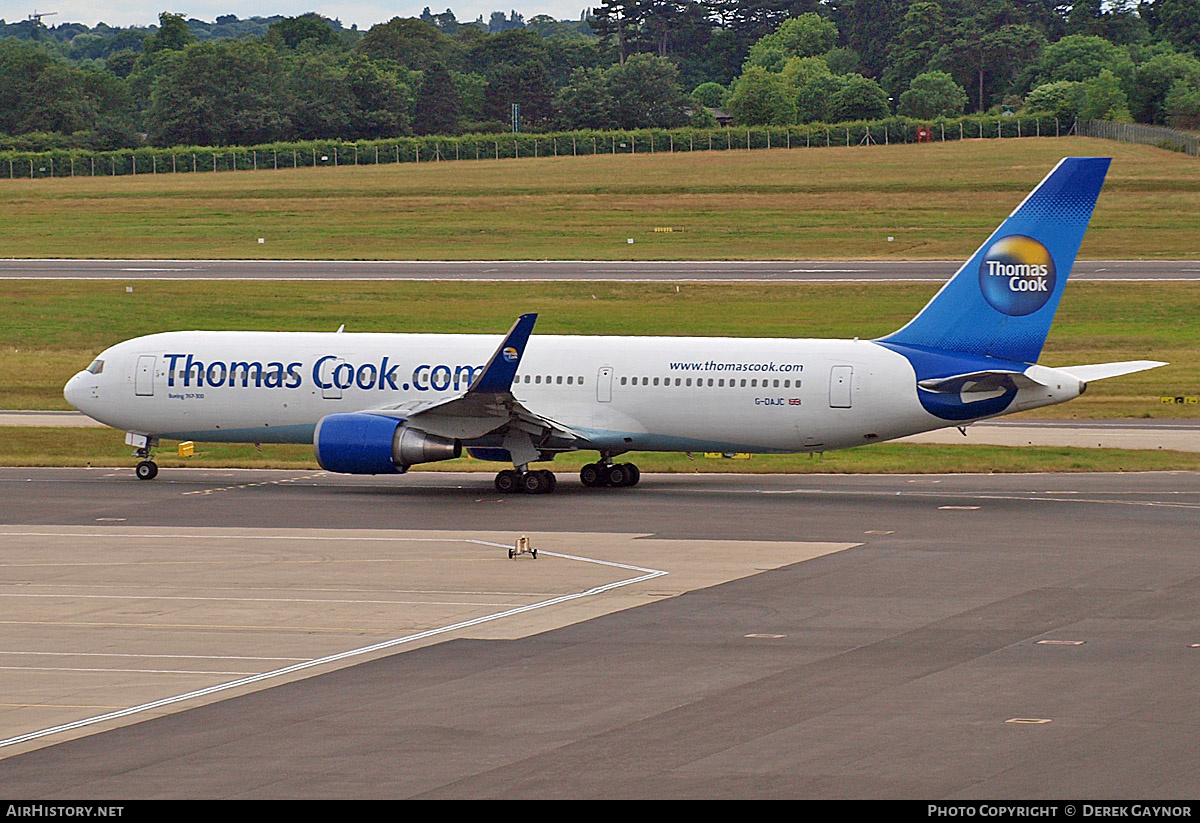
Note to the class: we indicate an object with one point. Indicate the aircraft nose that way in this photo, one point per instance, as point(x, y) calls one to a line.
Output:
point(75, 390)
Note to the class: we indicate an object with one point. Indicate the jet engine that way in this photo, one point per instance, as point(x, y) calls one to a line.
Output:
point(361, 443)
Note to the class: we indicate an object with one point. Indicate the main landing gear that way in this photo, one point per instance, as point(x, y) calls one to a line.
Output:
point(614, 475)
point(593, 475)
point(510, 481)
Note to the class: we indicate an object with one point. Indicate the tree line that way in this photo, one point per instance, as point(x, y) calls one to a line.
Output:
point(626, 64)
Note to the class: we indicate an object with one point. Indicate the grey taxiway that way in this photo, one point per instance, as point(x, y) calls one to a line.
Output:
point(287, 634)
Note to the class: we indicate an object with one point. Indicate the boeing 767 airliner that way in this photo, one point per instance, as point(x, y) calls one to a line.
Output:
point(381, 403)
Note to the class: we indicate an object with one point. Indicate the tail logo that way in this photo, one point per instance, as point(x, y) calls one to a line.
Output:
point(510, 354)
point(1017, 275)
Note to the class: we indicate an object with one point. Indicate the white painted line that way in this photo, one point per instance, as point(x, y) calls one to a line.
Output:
point(644, 574)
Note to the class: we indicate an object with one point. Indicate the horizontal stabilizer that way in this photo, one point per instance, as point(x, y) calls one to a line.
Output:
point(979, 381)
point(1100, 371)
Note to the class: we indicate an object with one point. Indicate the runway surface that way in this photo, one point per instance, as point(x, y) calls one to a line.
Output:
point(785, 271)
point(1003, 636)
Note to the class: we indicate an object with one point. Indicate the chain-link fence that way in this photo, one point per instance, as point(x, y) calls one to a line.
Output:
point(330, 153)
point(1159, 136)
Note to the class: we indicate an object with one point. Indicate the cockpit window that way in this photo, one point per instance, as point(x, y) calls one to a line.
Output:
point(97, 367)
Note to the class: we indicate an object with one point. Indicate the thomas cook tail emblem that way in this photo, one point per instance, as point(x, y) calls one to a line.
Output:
point(1017, 275)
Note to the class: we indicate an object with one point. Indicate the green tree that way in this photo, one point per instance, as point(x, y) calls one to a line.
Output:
point(410, 43)
point(292, 31)
point(1104, 99)
point(1182, 105)
point(808, 35)
point(41, 93)
point(869, 26)
point(219, 93)
point(645, 93)
point(858, 98)
point(1062, 98)
point(319, 100)
point(1155, 77)
point(759, 98)
point(1179, 23)
point(986, 59)
point(436, 108)
point(381, 100)
point(1082, 57)
point(932, 94)
point(710, 94)
point(810, 84)
point(527, 84)
point(923, 32)
point(585, 102)
point(173, 34)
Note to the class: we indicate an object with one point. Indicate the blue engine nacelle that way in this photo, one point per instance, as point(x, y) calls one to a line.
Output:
point(360, 443)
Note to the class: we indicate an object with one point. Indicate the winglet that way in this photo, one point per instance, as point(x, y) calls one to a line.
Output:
point(497, 375)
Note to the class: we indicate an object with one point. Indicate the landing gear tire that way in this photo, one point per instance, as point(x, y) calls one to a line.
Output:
point(623, 475)
point(146, 470)
point(538, 482)
point(592, 475)
point(507, 481)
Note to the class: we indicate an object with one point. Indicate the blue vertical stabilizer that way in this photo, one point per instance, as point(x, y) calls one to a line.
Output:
point(1001, 302)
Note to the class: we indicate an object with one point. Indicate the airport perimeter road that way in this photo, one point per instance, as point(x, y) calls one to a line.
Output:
point(1019, 636)
point(694, 271)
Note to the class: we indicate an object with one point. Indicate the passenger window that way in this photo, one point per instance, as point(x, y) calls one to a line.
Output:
point(559, 380)
point(622, 381)
point(689, 381)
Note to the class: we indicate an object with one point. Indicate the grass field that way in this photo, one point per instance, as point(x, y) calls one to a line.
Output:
point(937, 200)
point(51, 329)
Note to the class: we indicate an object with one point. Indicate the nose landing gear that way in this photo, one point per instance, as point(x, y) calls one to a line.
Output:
point(146, 468)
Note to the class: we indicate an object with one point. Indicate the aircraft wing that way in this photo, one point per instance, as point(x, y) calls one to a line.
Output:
point(488, 405)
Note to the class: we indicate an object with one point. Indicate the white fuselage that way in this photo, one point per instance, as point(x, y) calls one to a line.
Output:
point(619, 393)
